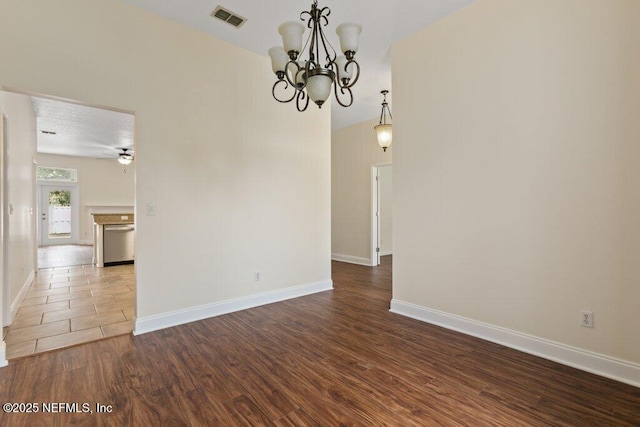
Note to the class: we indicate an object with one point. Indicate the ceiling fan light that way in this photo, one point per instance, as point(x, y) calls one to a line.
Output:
point(125, 159)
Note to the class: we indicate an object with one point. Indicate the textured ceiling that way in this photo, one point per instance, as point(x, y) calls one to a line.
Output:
point(81, 131)
point(384, 22)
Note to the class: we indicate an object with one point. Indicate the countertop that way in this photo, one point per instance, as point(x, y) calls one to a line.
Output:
point(112, 218)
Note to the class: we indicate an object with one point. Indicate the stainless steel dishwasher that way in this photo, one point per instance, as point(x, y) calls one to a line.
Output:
point(119, 245)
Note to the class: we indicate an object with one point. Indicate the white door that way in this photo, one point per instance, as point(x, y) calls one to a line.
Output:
point(381, 216)
point(58, 222)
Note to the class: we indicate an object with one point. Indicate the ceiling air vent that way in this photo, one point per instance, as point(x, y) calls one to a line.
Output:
point(228, 17)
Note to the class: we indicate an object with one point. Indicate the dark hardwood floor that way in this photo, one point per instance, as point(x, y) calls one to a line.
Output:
point(334, 358)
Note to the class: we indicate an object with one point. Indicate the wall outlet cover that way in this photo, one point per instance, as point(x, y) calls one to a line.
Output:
point(586, 318)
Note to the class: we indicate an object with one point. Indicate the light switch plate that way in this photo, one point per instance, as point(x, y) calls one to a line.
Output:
point(150, 209)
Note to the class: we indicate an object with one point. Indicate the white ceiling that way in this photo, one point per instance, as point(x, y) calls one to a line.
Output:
point(80, 130)
point(383, 21)
point(93, 132)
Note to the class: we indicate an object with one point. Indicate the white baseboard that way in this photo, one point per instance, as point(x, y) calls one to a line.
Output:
point(17, 302)
point(3, 355)
point(351, 259)
point(179, 317)
point(385, 253)
point(86, 242)
point(599, 364)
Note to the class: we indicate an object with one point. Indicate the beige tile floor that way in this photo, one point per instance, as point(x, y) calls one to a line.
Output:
point(66, 306)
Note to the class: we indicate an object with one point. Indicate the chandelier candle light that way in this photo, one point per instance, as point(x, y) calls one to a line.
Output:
point(308, 77)
point(384, 130)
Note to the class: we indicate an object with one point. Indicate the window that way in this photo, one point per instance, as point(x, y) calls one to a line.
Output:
point(57, 174)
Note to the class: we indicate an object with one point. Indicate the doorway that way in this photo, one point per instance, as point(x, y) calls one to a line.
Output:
point(78, 301)
point(58, 214)
point(381, 212)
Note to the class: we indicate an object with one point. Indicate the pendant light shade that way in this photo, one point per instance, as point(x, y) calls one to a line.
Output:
point(384, 131)
point(385, 136)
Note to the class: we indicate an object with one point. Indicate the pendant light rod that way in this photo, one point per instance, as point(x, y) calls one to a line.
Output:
point(385, 108)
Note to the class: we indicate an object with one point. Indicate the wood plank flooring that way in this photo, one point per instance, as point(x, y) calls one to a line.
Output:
point(333, 358)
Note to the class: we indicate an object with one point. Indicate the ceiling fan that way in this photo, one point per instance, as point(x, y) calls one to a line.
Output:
point(125, 157)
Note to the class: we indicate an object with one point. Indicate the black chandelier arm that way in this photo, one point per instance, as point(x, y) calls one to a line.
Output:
point(343, 90)
point(298, 69)
point(324, 15)
point(329, 57)
point(286, 86)
point(286, 72)
point(302, 95)
point(308, 20)
point(352, 81)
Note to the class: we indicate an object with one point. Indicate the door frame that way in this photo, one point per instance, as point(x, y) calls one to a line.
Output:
point(4, 223)
point(375, 212)
point(75, 211)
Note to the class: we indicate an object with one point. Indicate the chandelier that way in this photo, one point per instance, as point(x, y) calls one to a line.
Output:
point(384, 132)
point(311, 70)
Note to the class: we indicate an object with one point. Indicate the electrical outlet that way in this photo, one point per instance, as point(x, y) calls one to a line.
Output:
point(256, 276)
point(586, 318)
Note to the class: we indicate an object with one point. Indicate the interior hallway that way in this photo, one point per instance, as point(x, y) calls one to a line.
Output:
point(331, 358)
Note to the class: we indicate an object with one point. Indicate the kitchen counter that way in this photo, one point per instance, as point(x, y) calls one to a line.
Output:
point(112, 218)
point(109, 220)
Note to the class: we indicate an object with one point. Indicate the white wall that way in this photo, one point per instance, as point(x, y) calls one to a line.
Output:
point(102, 182)
point(240, 182)
point(354, 150)
point(517, 170)
point(20, 197)
point(385, 177)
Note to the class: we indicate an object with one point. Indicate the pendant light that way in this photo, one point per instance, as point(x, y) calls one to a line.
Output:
point(384, 130)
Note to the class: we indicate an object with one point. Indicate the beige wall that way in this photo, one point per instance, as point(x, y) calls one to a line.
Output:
point(353, 151)
point(102, 182)
point(240, 182)
point(385, 177)
point(516, 178)
point(20, 187)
